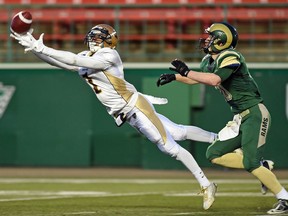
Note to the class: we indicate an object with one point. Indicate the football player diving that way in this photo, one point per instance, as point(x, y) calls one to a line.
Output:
point(101, 68)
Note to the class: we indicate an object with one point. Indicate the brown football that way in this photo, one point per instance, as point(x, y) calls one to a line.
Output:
point(21, 22)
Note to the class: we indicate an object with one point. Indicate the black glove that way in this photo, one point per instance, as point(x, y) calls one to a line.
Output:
point(165, 78)
point(180, 67)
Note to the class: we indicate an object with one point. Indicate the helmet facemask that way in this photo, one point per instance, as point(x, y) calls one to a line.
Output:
point(101, 36)
point(205, 46)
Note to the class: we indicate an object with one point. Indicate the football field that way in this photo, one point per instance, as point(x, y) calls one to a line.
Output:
point(127, 192)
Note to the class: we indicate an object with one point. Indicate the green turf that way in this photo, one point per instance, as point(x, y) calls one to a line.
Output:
point(128, 198)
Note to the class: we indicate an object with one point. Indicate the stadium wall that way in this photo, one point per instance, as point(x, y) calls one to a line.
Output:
point(50, 117)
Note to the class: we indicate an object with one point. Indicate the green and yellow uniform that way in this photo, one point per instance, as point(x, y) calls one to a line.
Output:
point(241, 93)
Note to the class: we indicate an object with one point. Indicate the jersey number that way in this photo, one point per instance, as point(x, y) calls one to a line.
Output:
point(96, 88)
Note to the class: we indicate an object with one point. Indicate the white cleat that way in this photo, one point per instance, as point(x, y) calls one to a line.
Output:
point(209, 195)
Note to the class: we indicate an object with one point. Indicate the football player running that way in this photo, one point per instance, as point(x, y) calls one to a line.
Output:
point(225, 68)
point(101, 68)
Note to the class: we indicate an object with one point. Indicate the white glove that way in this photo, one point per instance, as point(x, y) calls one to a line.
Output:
point(29, 42)
point(24, 39)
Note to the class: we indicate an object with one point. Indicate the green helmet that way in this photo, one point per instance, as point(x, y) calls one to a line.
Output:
point(223, 36)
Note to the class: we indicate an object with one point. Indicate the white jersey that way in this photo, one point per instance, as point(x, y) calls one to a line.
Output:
point(107, 81)
point(103, 72)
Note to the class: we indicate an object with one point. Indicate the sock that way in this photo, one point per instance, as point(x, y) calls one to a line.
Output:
point(231, 160)
point(268, 179)
point(283, 194)
point(198, 134)
point(188, 160)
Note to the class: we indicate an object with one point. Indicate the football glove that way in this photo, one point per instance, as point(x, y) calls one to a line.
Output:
point(180, 67)
point(165, 78)
point(29, 42)
point(24, 39)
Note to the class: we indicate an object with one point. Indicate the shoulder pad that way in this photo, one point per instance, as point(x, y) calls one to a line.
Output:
point(228, 57)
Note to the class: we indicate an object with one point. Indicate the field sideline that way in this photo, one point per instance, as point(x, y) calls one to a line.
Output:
point(127, 192)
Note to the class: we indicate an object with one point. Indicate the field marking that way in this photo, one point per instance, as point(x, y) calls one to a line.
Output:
point(126, 181)
point(213, 213)
point(56, 195)
point(220, 194)
point(44, 195)
point(78, 213)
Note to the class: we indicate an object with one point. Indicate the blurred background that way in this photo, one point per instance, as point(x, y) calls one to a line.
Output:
point(49, 117)
point(153, 30)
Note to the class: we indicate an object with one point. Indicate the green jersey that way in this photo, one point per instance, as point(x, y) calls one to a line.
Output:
point(237, 85)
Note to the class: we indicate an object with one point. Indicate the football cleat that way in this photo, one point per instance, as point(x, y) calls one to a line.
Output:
point(281, 207)
point(269, 165)
point(209, 195)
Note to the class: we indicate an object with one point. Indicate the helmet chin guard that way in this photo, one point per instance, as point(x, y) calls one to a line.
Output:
point(93, 47)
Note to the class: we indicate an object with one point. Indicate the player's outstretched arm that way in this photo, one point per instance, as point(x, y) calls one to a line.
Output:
point(27, 42)
point(66, 57)
point(167, 78)
point(198, 77)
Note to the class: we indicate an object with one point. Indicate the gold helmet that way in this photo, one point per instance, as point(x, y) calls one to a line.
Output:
point(107, 35)
point(223, 36)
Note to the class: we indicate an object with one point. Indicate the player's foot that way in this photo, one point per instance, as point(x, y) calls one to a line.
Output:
point(209, 195)
point(281, 207)
point(269, 165)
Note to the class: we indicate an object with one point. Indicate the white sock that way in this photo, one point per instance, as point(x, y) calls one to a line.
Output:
point(283, 194)
point(201, 178)
point(188, 160)
point(198, 134)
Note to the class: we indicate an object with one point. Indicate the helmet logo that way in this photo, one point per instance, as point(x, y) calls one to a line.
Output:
point(223, 36)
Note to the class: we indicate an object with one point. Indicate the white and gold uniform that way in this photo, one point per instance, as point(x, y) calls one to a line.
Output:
point(103, 72)
point(102, 69)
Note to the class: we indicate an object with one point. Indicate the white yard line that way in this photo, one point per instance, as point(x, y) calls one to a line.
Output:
point(26, 195)
point(124, 181)
point(79, 213)
point(40, 195)
point(44, 195)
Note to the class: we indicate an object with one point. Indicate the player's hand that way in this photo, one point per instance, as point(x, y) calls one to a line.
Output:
point(165, 78)
point(24, 39)
point(29, 42)
point(38, 45)
point(180, 67)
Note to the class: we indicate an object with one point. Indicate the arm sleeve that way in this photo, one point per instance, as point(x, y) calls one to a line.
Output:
point(76, 60)
point(54, 62)
point(224, 73)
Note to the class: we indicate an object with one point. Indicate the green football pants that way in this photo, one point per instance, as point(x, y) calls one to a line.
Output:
point(251, 138)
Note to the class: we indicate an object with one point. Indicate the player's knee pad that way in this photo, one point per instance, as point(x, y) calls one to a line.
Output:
point(171, 149)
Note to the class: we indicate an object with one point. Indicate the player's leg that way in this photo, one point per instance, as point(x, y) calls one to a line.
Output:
point(184, 132)
point(255, 127)
point(268, 164)
point(155, 131)
point(223, 153)
point(146, 121)
point(167, 145)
